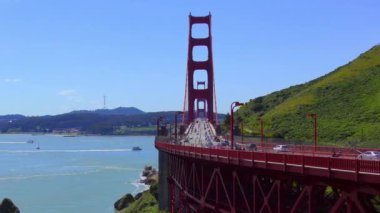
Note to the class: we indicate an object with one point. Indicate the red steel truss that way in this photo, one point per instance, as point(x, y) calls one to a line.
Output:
point(214, 180)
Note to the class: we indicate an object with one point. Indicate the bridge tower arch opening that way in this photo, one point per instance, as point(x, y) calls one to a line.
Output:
point(200, 93)
point(201, 103)
point(201, 110)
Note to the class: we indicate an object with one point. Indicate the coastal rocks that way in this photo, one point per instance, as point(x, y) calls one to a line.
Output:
point(123, 202)
point(7, 206)
point(138, 195)
point(150, 175)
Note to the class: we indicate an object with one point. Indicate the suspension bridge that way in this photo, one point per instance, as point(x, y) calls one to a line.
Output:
point(202, 171)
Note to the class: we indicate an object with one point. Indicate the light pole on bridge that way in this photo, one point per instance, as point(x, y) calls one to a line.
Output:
point(175, 124)
point(314, 116)
point(158, 124)
point(233, 105)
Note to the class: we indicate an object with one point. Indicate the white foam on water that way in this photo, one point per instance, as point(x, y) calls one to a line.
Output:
point(22, 177)
point(114, 168)
point(6, 142)
point(140, 187)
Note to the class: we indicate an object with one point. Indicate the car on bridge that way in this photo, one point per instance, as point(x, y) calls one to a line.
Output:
point(281, 148)
point(237, 146)
point(208, 144)
point(222, 145)
point(370, 155)
point(251, 147)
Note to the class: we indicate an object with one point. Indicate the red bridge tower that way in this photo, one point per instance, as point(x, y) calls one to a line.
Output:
point(194, 94)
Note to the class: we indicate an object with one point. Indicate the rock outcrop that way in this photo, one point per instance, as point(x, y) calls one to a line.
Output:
point(150, 177)
point(150, 174)
point(123, 202)
point(7, 206)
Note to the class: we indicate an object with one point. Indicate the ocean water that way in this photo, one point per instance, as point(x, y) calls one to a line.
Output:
point(72, 174)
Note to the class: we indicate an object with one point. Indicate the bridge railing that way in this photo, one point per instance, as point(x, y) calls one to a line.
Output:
point(305, 148)
point(326, 163)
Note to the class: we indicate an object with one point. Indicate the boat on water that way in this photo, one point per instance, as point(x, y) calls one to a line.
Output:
point(38, 146)
point(136, 148)
point(30, 141)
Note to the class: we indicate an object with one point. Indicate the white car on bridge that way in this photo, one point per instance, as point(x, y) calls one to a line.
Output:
point(370, 155)
point(281, 148)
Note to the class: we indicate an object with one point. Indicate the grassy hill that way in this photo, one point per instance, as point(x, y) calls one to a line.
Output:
point(347, 102)
point(147, 203)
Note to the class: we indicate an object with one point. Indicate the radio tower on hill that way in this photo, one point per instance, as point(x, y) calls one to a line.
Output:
point(104, 102)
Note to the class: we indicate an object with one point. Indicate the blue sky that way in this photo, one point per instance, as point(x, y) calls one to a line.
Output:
point(58, 56)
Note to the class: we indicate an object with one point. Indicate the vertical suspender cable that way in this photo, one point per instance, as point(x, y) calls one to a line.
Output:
point(185, 100)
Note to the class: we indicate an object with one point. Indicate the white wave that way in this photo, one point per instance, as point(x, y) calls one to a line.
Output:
point(64, 151)
point(140, 187)
point(6, 142)
point(22, 177)
point(114, 168)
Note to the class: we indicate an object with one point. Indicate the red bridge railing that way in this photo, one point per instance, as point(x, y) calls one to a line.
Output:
point(331, 167)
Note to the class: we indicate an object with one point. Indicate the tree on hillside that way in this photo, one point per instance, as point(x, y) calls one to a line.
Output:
point(226, 122)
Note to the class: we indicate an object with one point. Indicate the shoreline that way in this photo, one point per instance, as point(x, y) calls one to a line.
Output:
point(148, 179)
point(144, 187)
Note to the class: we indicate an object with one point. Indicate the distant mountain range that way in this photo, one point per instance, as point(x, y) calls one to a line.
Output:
point(119, 121)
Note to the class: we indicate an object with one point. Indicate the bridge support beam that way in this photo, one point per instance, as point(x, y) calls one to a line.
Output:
point(210, 187)
point(163, 188)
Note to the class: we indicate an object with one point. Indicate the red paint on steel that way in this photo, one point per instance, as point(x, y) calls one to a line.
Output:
point(233, 105)
point(363, 171)
point(200, 94)
point(184, 100)
point(172, 194)
point(231, 188)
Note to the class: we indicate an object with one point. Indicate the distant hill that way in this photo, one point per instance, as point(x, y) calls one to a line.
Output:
point(116, 111)
point(119, 121)
point(10, 118)
point(346, 101)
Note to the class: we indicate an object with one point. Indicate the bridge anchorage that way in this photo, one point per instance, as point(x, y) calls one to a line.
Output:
point(201, 172)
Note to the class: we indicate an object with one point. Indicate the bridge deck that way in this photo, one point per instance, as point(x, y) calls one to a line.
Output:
point(365, 171)
point(200, 142)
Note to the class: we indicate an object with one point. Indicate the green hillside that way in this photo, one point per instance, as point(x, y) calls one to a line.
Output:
point(347, 102)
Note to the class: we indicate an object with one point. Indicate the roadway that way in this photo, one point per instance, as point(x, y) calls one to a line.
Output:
point(201, 133)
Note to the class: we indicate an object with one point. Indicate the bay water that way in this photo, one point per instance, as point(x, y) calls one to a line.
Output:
point(72, 174)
